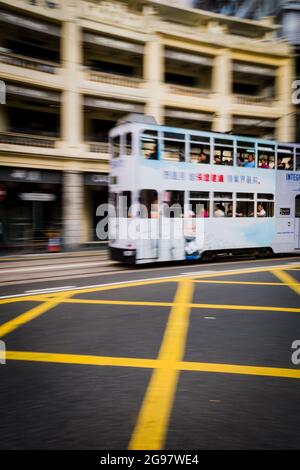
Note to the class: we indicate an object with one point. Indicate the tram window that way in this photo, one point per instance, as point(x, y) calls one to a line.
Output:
point(116, 147)
point(246, 158)
point(266, 158)
point(199, 208)
point(246, 154)
point(200, 138)
point(244, 205)
point(128, 144)
point(124, 204)
point(149, 145)
point(245, 196)
point(199, 153)
point(265, 205)
point(223, 208)
point(173, 204)
point(223, 155)
point(285, 160)
point(222, 204)
point(298, 160)
point(174, 147)
point(148, 204)
point(199, 203)
point(199, 195)
point(218, 195)
point(269, 197)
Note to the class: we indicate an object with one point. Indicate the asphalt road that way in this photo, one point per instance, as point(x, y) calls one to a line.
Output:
point(167, 357)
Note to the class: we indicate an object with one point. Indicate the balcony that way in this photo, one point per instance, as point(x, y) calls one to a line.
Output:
point(188, 91)
point(98, 147)
point(114, 79)
point(253, 100)
point(17, 60)
point(27, 140)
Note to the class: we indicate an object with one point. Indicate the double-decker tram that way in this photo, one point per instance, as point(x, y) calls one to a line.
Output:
point(180, 194)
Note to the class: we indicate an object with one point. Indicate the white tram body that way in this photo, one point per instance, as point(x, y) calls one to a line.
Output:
point(204, 173)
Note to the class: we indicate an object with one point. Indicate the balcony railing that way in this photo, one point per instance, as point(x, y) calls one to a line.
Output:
point(188, 91)
point(27, 140)
point(98, 147)
point(253, 100)
point(27, 62)
point(113, 79)
point(49, 4)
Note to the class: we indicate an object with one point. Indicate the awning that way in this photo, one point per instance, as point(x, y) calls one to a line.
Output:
point(178, 114)
point(253, 69)
point(190, 58)
point(113, 43)
point(28, 23)
point(32, 93)
point(114, 105)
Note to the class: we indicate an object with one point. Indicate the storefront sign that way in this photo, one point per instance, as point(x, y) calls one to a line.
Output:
point(24, 175)
point(101, 179)
point(44, 197)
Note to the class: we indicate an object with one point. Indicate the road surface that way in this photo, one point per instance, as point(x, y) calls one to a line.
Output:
point(167, 357)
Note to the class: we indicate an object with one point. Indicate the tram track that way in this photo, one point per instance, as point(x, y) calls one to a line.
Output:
point(100, 266)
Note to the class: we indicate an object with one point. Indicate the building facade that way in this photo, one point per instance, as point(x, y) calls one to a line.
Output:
point(69, 70)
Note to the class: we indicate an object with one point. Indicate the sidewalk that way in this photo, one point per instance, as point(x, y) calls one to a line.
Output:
point(36, 268)
point(101, 250)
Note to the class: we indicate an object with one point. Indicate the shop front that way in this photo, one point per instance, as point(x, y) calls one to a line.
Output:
point(96, 193)
point(30, 208)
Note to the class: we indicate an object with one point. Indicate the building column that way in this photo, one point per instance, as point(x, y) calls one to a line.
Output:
point(222, 87)
point(72, 208)
point(72, 112)
point(154, 76)
point(285, 131)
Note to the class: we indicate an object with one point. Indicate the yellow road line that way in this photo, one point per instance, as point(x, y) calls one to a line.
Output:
point(151, 364)
point(81, 359)
point(118, 302)
point(204, 281)
point(31, 314)
point(246, 307)
point(240, 369)
point(151, 426)
point(287, 279)
point(191, 305)
point(171, 304)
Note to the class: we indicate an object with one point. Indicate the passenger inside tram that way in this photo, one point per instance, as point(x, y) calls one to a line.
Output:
point(264, 163)
point(250, 162)
point(203, 212)
point(203, 158)
point(153, 153)
point(229, 212)
point(261, 211)
point(280, 164)
point(219, 210)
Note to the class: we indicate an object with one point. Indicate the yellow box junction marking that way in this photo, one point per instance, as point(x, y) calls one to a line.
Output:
point(77, 359)
point(151, 427)
point(287, 279)
point(31, 314)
